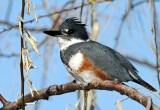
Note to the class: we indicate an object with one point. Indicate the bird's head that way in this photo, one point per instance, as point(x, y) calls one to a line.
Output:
point(70, 29)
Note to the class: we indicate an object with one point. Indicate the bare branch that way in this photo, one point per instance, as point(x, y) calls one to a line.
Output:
point(146, 63)
point(47, 15)
point(11, 25)
point(156, 39)
point(3, 100)
point(21, 62)
point(81, 10)
point(72, 86)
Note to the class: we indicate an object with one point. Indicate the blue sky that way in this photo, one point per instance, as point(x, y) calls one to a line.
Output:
point(135, 41)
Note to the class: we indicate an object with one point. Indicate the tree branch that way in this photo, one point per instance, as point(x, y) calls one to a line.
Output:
point(72, 86)
point(21, 59)
point(144, 62)
point(3, 100)
point(47, 15)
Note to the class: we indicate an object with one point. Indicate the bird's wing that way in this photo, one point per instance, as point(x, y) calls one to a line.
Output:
point(116, 65)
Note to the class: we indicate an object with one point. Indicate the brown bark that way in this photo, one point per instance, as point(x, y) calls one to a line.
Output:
point(72, 86)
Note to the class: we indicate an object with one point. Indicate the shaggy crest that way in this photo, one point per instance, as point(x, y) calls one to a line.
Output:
point(73, 21)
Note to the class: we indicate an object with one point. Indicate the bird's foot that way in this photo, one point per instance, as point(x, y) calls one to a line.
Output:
point(115, 81)
point(74, 81)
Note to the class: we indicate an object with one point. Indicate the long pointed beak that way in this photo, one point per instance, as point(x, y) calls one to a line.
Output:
point(53, 33)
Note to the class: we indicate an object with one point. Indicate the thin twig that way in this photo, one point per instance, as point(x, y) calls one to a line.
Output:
point(87, 12)
point(21, 63)
point(85, 99)
point(139, 61)
point(155, 40)
point(80, 17)
point(117, 38)
point(78, 97)
point(9, 9)
point(11, 25)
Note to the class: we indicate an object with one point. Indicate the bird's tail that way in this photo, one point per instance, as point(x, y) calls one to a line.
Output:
point(146, 85)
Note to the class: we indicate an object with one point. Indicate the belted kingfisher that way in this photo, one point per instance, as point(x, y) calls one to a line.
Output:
point(87, 60)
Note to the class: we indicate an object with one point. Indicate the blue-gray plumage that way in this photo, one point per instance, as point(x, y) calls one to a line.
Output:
point(88, 60)
point(106, 58)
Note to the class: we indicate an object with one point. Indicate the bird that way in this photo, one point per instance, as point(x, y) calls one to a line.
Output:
point(87, 60)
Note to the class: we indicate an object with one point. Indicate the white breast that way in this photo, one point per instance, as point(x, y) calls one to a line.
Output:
point(87, 77)
point(76, 61)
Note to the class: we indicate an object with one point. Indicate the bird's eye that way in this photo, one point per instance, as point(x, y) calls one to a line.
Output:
point(71, 31)
point(67, 31)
